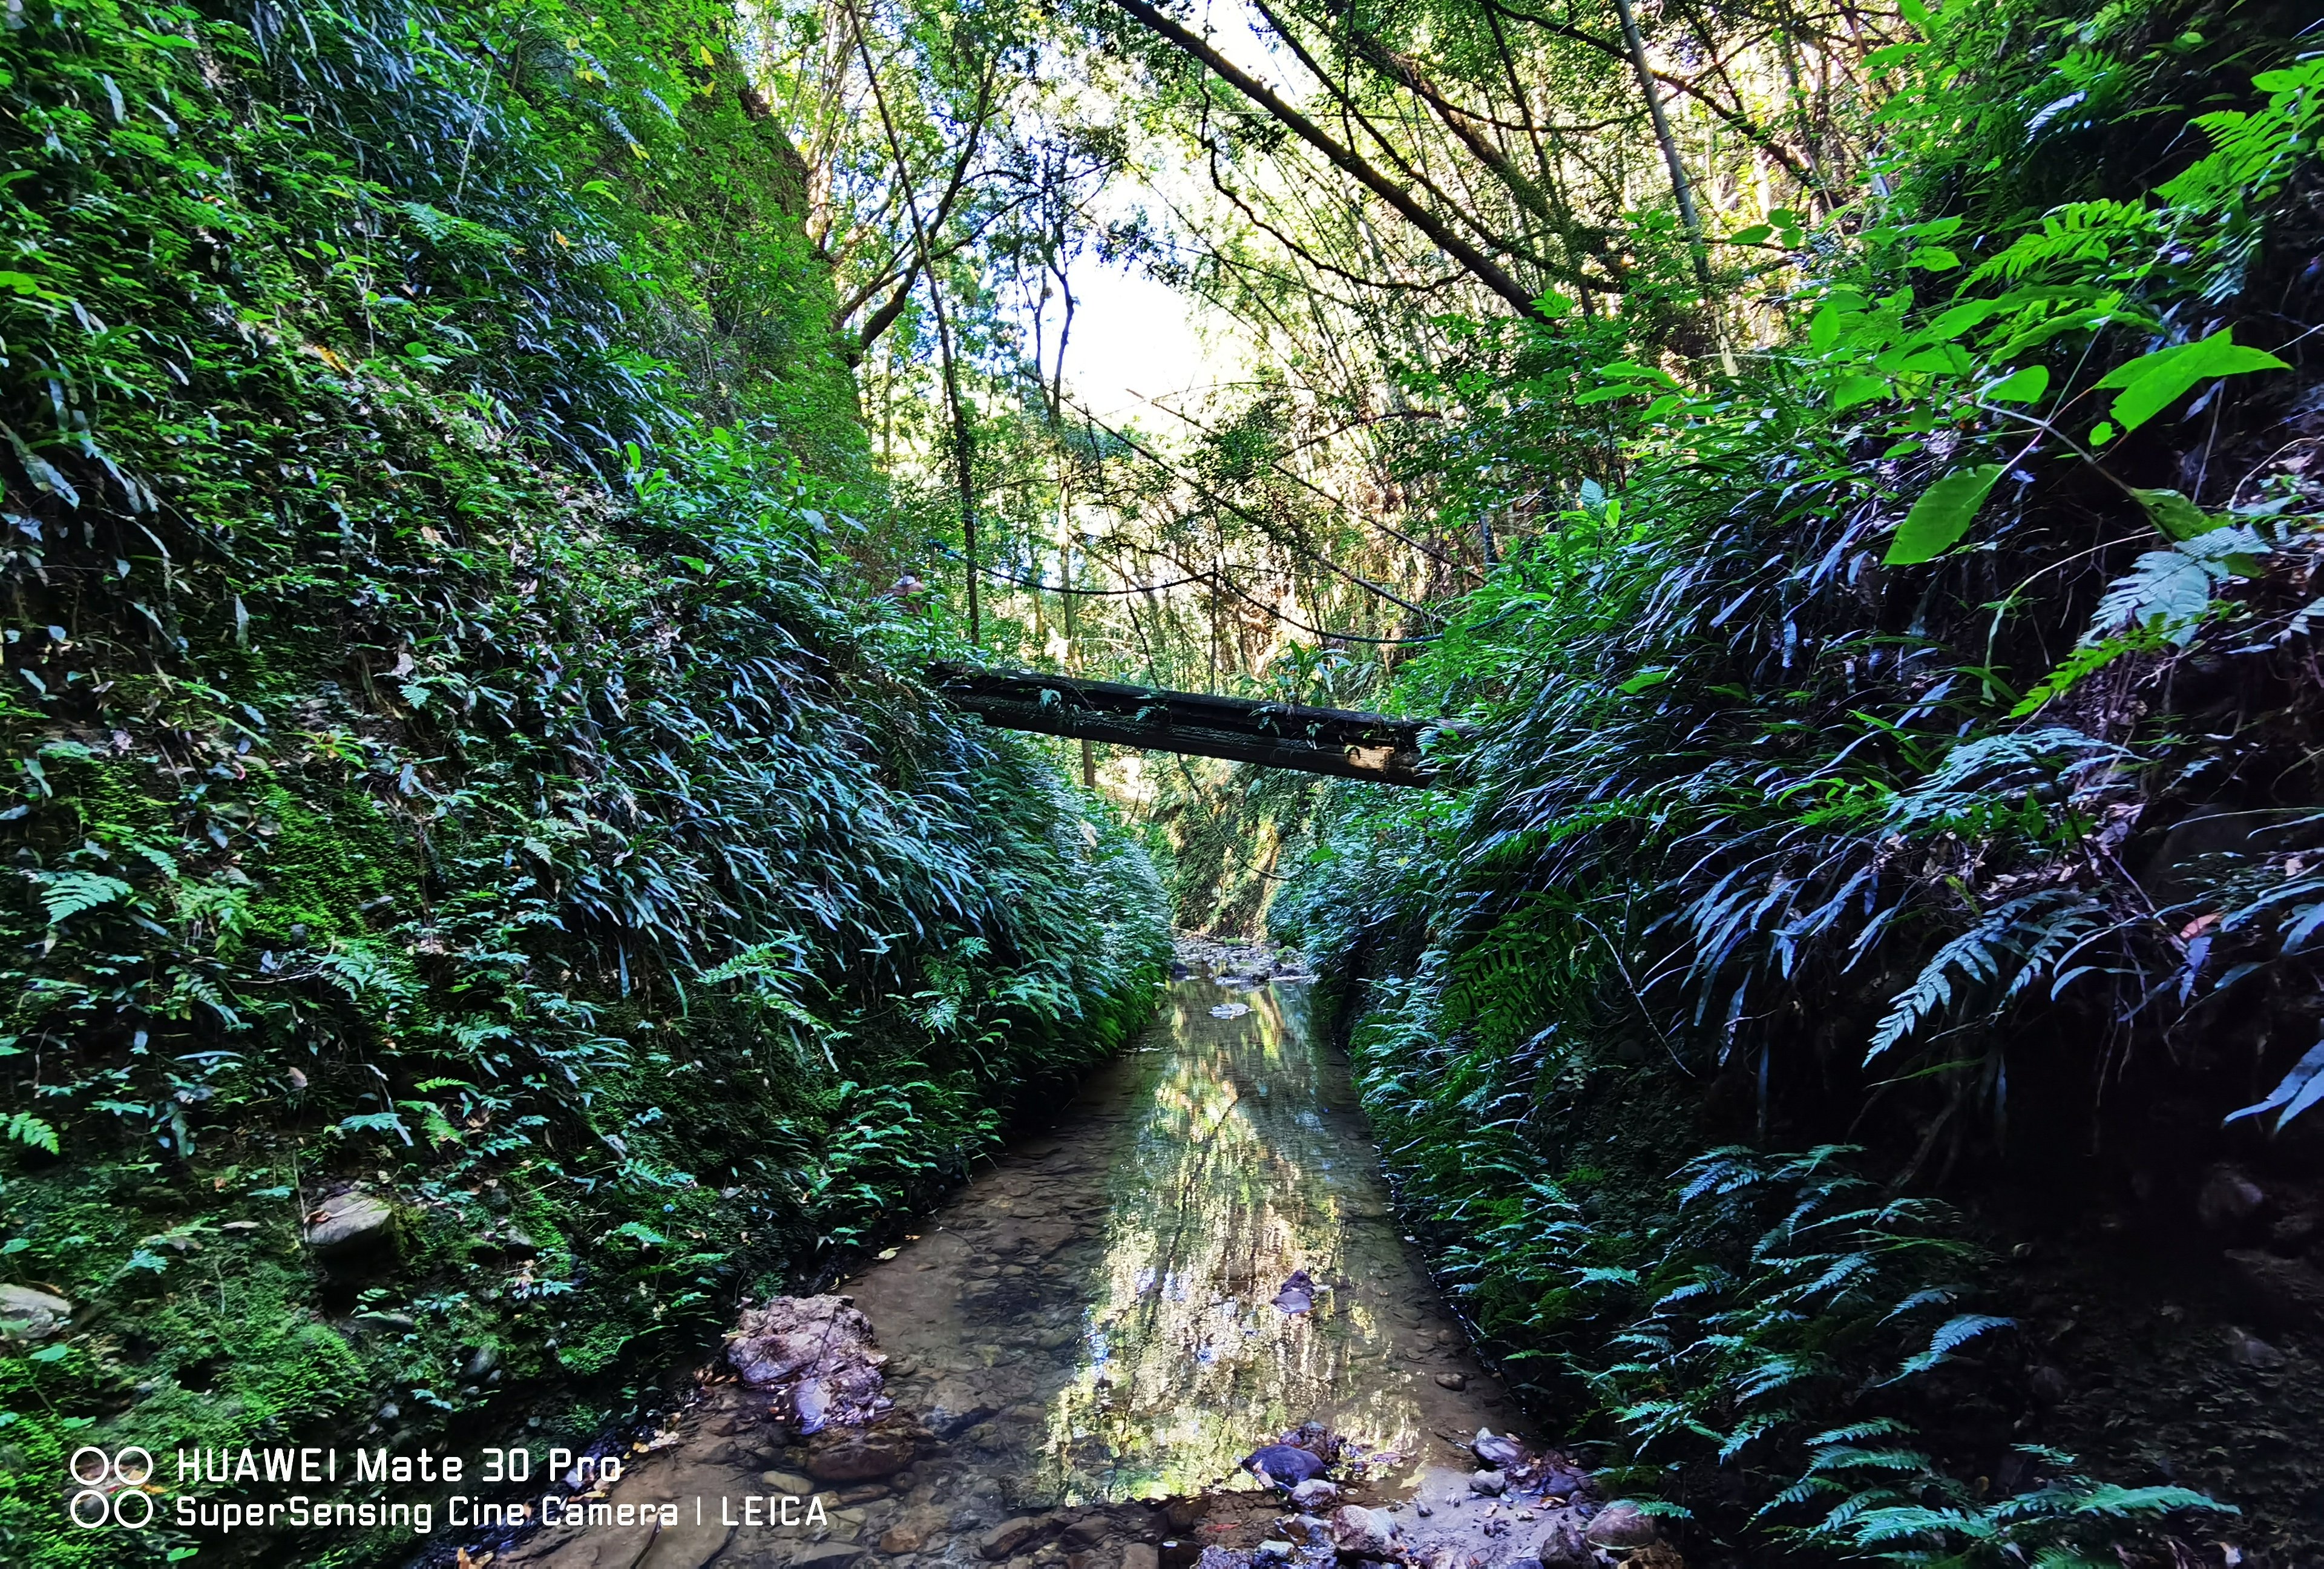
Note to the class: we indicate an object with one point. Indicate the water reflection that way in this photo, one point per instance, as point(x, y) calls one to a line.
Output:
point(1247, 1164)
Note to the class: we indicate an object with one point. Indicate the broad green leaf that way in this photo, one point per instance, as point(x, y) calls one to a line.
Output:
point(1857, 389)
point(1942, 515)
point(2151, 384)
point(1757, 235)
point(2177, 516)
point(1935, 259)
point(2025, 386)
point(1633, 371)
point(1957, 321)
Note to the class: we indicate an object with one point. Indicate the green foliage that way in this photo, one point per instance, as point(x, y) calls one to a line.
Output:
point(1794, 816)
point(454, 750)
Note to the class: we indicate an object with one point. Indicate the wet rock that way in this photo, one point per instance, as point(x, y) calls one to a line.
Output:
point(862, 1453)
point(1313, 1495)
point(349, 1223)
point(948, 1426)
point(1453, 1380)
point(2288, 1291)
point(1561, 1481)
point(2226, 1199)
point(1620, 1525)
point(1562, 1546)
point(26, 1314)
point(1498, 1453)
point(1283, 1464)
point(1085, 1533)
point(787, 1481)
point(825, 1556)
point(1006, 1537)
point(903, 1539)
point(2246, 1349)
point(1654, 1556)
point(1491, 1483)
point(1356, 1532)
point(816, 1352)
point(1140, 1555)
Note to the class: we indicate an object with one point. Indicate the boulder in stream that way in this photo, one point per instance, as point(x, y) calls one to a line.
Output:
point(1562, 1546)
point(816, 1352)
point(1621, 1525)
point(1006, 1537)
point(863, 1454)
point(1357, 1532)
point(1313, 1495)
point(1498, 1454)
point(1283, 1464)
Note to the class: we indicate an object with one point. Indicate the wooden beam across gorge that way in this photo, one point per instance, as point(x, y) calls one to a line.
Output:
point(1325, 741)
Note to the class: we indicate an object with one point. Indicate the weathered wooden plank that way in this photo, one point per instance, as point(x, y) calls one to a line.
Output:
point(1336, 741)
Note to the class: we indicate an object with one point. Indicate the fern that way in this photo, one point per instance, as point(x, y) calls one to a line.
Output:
point(23, 1128)
point(1976, 953)
point(66, 894)
point(1951, 1336)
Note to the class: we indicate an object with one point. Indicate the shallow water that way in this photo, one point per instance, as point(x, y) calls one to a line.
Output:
point(1107, 1292)
point(1091, 1320)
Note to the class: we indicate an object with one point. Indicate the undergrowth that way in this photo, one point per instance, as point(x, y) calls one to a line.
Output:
point(452, 751)
point(1899, 750)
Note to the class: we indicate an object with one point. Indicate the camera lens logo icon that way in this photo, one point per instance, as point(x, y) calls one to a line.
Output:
point(112, 1488)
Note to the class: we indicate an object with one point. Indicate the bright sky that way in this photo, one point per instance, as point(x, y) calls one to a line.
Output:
point(1136, 339)
point(1133, 339)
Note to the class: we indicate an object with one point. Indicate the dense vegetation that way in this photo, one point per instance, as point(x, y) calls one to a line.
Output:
point(1900, 752)
point(480, 481)
point(455, 749)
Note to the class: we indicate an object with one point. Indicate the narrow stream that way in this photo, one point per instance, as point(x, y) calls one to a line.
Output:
point(1108, 1292)
point(1099, 1319)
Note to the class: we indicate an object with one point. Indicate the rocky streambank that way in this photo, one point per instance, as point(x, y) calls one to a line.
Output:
point(1069, 1364)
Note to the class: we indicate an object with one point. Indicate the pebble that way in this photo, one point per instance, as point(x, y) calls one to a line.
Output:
point(1453, 1380)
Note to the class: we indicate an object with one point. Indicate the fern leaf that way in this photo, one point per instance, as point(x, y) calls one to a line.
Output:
point(23, 1128)
point(66, 894)
point(1951, 1336)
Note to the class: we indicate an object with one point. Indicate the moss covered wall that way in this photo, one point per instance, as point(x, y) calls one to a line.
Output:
point(454, 774)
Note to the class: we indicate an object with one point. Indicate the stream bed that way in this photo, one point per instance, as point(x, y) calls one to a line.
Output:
point(1086, 1342)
